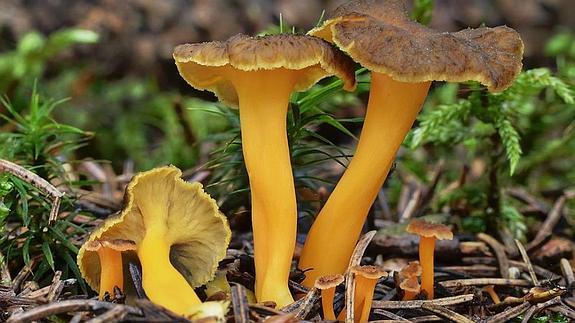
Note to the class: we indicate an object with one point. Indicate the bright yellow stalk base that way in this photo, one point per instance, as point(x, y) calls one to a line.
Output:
point(426, 250)
point(391, 111)
point(163, 284)
point(110, 271)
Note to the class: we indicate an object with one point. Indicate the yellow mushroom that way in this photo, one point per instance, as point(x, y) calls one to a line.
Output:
point(179, 236)
point(428, 233)
point(366, 277)
point(403, 57)
point(408, 280)
point(327, 285)
point(259, 74)
point(110, 261)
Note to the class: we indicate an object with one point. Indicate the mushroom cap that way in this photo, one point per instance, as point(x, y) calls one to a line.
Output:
point(202, 64)
point(410, 284)
point(429, 230)
point(196, 230)
point(369, 272)
point(380, 36)
point(413, 269)
point(328, 281)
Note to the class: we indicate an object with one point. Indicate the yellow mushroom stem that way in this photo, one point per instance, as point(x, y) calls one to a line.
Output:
point(327, 296)
point(110, 270)
point(490, 289)
point(391, 111)
point(426, 250)
point(408, 292)
point(364, 288)
point(263, 99)
point(163, 284)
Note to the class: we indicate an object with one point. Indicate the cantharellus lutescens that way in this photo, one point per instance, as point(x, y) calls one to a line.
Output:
point(259, 74)
point(403, 57)
point(179, 237)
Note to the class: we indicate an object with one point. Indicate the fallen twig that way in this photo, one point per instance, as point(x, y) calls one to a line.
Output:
point(509, 313)
point(418, 303)
point(38, 182)
point(43, 311)
point(546, 228)
point(527, 262)
point(240, 304)
point(446, 313)
point(499, 251)
point(567, 271)
point(485, 281)
point(390, 315)
point(537, 308)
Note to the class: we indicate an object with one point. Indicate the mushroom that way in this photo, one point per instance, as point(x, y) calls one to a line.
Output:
point(327, 285)
point(408, 280)
point(366, 278)
point(178, 232)
point(428, 233)
point(490, 290)
point(110, 261)
point(403, 57)
point(259, 74)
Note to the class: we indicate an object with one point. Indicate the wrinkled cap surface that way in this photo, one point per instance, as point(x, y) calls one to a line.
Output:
point(413, 269)
point(196, 230)
point(116, 244)
point(380, 36)
point(205, 65)
point(369, 272)
point(328, 281)
point(430, 230)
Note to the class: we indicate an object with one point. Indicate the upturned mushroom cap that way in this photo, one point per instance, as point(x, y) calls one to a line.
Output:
point(198, 233)
point(204, 65)
point(429, 230)
point(328, 281)
point(380, 36)
point(369, 272)
point(410, 284)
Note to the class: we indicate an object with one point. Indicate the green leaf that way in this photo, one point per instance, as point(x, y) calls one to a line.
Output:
point(26, 251)
point(422, 11)
point(48, 254)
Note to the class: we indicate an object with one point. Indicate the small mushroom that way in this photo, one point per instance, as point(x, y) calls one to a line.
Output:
point(490, 290)
point(327, 285)
point(366, 277)
point(179, 236)
point(408, 280)
point(403, 57)
point(258, 74)
point(110, 261)
point(428, 233)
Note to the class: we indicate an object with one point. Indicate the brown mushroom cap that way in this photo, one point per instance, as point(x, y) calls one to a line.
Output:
point(369, 272)
point(428, 230)
point(203, 65)
point(380, 36)
point(197, 231)
point(410, 284)
point(413, 269)
point(328, 281)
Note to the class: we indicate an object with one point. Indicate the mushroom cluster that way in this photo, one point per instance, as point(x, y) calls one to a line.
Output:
point(258, 75)
point(178, 236)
